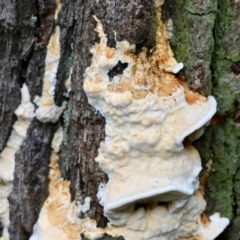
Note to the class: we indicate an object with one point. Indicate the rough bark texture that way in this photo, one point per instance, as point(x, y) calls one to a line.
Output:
point(85, 126)
point(30, 185)
point(206, 37)
point(25, 30)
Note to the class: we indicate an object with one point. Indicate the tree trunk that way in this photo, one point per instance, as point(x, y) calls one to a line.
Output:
point(205, 36)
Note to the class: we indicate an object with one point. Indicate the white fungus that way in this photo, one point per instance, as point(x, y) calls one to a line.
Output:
point(82, 208)
point(47, 110)
point(151, 118)
point(153, 169)
point(25, 114)
point(58, 218)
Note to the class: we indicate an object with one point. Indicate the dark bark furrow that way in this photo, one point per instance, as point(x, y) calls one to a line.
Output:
point(30, 185)
point(25, 31)
point(19, 30)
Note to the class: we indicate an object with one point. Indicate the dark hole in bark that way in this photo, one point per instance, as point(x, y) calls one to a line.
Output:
point(1, 229)
point(38, 21)
point(118, 69)
point(22, 77)
point(236, 116)
point(235, 68)
point(164, 204)
point(222, 236)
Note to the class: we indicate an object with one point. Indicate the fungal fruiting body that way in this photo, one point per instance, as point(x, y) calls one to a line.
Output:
point(25, 114)
point(58, 218)
point(47, 110)
point(151, 118)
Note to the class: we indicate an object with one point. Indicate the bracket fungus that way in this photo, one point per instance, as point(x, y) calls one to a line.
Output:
point(153, 184)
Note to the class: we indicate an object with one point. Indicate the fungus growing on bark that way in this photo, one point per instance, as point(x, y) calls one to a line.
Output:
point(47, 110)
point(58, 218)
point(149, 112)
point(153, 189)
point(25, 114)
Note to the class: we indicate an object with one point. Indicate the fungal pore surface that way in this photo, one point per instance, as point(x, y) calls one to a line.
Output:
point(151, 119)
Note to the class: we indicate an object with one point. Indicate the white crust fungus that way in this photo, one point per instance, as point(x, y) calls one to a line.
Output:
point(151, 118)
point(47, 110)
point(82, 208)
point(25, 114)
point(58, 218)
point(153, 169)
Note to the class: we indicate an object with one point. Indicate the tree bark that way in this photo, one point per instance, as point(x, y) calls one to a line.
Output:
point(205, 36)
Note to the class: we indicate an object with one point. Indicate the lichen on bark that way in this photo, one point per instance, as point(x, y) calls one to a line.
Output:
point(192, 39)
point(206, 38)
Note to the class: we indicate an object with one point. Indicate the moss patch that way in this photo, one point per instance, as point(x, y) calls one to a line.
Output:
point(206, 38)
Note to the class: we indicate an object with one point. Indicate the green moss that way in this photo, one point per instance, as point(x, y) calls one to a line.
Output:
point(208, 32)
point(234, 232)
point(201, 7)
point(225, 99)
point(221, 144)
point(153, 25)
point(227, 32)
point(192, 41)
